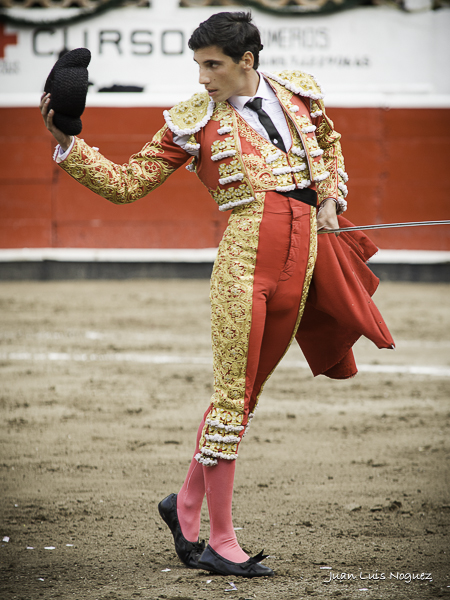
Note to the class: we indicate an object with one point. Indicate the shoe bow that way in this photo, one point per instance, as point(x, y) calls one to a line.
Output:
point(258, 558)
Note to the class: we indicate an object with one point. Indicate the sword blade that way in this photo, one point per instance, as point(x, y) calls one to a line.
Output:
point(385, 226)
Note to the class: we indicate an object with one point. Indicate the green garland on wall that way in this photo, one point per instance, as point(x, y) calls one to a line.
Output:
point(298, 10)
point(83, 15)
point(331, 6)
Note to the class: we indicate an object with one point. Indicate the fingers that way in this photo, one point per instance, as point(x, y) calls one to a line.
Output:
point(50, 120)
point(47, 114)
point(43, 105)
point(45, 101)
point(326, 223)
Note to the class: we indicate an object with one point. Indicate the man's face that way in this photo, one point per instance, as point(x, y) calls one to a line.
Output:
point(221, 76)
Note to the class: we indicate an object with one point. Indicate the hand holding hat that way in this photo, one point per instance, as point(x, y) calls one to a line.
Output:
point(68, 84)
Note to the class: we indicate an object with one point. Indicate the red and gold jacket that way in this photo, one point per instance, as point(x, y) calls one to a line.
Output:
point(231, 159)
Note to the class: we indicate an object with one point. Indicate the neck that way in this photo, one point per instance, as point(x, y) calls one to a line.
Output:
point(253, 83)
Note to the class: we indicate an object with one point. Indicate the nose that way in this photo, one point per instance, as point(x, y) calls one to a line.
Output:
point(203, 77)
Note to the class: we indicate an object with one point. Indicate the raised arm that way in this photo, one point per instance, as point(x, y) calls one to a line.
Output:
point(120, 184)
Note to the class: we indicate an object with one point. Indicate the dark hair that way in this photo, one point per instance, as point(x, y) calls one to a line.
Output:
point(232, 32)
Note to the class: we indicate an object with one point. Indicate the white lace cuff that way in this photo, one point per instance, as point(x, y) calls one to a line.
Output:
point(59, 155)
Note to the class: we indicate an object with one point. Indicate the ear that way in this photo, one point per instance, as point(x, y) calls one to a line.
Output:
point(249, 60)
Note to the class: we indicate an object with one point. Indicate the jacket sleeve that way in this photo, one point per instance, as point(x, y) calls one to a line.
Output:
point(122, 184)
point(328, 139)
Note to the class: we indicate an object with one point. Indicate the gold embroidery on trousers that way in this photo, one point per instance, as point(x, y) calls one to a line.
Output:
point(231, 312)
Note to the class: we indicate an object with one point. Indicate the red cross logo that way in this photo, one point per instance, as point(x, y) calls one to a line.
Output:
point(6, 40)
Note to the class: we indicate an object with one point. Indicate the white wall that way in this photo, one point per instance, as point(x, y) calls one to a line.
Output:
point(370, 56)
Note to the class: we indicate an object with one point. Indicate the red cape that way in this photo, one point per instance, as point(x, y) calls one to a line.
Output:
point(339, 308)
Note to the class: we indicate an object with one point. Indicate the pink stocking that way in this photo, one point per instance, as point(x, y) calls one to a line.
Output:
point(219, 482)
point(190, 497)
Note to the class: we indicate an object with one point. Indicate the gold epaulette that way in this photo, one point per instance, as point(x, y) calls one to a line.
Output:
point(299, 83)
point(188, 117)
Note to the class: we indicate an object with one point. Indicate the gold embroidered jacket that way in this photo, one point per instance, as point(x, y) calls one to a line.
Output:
point(232, 160)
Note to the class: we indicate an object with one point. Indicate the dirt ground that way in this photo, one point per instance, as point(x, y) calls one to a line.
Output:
point(103, 384)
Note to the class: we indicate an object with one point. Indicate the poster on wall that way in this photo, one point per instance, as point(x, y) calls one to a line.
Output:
point(366, 56)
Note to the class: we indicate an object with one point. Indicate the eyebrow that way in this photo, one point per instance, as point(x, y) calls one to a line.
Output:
point(209, 60)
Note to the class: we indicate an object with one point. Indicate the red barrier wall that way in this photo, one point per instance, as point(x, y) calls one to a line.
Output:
point(396, 159)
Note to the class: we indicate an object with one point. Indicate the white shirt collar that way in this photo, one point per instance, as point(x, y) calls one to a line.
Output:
point(264, 91)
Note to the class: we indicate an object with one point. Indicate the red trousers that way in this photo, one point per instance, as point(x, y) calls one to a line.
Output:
point(282, 261)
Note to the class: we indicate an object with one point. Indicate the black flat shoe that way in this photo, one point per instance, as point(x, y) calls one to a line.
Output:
point(188, 552)
point(211, 561)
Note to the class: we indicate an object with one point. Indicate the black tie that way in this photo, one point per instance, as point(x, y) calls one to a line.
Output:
point(267, 123)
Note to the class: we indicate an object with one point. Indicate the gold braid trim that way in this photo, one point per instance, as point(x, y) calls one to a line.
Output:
point(231, 318)
point(333, 159)
point(120, 184)
point(298, 82)
point(188, 117)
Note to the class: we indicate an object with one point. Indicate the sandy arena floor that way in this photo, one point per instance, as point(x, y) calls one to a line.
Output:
point(103, 384)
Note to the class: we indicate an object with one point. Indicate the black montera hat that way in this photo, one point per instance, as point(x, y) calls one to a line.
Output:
point(68, 84)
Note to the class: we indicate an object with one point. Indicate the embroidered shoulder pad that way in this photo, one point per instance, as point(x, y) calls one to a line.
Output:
point(298, 82)
point(186, 118)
